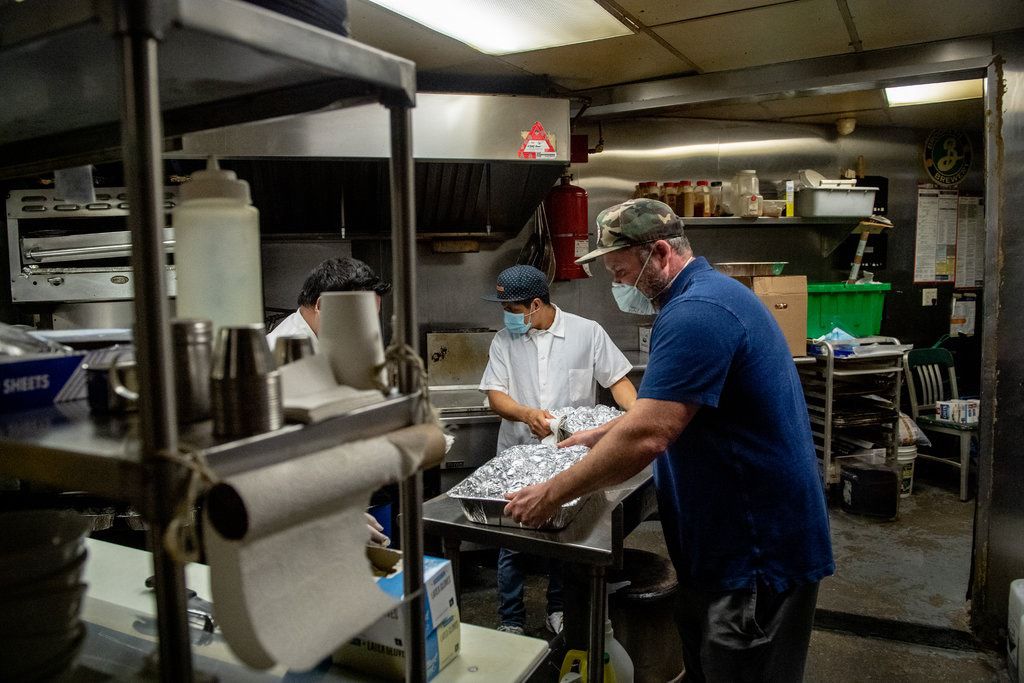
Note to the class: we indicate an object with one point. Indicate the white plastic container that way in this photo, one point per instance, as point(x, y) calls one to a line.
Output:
point(620, 660)
point(748, 197)
point(217, 250)
point(842, 202)
point(1014, 628)
point(905, 457)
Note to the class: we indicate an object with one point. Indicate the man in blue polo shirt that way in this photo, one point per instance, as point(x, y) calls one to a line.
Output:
point(722, 415)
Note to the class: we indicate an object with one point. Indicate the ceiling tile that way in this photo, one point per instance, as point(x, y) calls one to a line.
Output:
point(769, 35)
point(603, 62)
point(883, 23)
point(655, 12)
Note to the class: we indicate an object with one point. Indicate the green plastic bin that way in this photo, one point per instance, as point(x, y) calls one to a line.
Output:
point(857, 309)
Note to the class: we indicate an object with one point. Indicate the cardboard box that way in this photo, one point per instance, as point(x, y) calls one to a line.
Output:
point(39, 380)
point(958, 411)
point(380, 650)
point(786, 297)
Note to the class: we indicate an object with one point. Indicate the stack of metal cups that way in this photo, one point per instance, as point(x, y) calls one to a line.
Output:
point(245, 383)
point(193, 358)
point(291, 348)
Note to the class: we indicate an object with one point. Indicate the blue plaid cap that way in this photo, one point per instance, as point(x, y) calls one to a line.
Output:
point(519, 283)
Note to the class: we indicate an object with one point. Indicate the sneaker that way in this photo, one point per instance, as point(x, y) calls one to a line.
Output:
point(512, 628)
point(554, 622)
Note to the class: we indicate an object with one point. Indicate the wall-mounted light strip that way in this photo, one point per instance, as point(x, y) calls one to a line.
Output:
point(500, 27)
point(929, 93)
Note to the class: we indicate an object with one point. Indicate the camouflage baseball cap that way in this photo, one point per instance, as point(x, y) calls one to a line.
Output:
point(633, 222)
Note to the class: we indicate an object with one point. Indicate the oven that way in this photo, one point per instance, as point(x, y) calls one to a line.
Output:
point(62, 251)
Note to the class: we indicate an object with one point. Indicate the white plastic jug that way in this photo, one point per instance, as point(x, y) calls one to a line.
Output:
point(621, 662)
point(1014, 628)
point(217, 250)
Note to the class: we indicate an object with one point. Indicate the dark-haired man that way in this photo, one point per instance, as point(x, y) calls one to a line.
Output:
point(333, 275)
point(545, 358)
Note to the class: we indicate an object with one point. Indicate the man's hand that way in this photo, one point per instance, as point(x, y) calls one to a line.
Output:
point(588, 438)
point(537, 420)
point(376, 531)
point(531, 506)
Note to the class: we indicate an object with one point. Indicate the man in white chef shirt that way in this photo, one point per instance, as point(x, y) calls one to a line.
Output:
point(544, 359)
point(333, 275)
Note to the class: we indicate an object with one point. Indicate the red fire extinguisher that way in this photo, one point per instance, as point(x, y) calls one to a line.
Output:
point(566, 208)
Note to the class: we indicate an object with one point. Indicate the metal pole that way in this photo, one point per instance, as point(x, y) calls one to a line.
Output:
point(403, 245)
point(598, 604)
point(142, 140)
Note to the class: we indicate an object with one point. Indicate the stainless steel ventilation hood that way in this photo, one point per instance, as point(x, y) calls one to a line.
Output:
point(469, 176)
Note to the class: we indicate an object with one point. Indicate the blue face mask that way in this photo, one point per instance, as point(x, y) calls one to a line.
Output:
point(516, 322)
point(632, 300)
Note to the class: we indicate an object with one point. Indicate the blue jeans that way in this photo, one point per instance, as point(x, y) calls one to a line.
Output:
point(511, 586)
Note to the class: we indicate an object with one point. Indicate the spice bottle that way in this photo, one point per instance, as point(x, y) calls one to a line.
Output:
point(669, 192)
point(715, 198)
point(701, 199)
point(649, 190)
point(687, 193)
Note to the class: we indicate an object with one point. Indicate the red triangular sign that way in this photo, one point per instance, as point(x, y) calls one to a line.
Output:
point(537, 144)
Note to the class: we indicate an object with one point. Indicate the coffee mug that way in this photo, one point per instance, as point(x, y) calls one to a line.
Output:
point(113, 385)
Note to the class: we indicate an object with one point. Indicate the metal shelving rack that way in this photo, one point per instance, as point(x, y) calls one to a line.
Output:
point(86, 81)
point(853, 401)
point(833, 229)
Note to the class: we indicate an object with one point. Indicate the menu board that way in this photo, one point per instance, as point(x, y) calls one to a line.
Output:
point(935, 249)
point(970, 244)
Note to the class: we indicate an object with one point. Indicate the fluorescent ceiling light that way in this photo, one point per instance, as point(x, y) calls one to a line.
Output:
point(500, 27)
point(934, 92)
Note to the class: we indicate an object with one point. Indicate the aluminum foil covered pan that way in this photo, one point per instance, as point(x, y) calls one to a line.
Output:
point(482, 494)
point(580, 419)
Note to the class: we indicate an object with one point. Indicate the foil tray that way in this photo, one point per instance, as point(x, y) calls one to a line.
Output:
point(482, 493)
point(572, 420)
point(491, 511)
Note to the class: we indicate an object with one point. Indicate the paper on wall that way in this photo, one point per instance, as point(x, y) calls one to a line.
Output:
point(962, 317)
point(286, 547)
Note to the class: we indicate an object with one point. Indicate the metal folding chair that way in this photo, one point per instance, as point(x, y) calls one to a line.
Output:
point(931, 377)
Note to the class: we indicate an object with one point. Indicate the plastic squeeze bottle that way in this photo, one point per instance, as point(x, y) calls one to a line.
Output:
point(217, 250)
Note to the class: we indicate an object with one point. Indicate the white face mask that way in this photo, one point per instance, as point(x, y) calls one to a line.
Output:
point(632, 300)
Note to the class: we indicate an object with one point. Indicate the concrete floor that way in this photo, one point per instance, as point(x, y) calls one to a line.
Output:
point(912, 570)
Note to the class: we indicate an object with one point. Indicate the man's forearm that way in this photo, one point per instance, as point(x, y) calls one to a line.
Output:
point(503, 404)
point(624, 393)
point(619, 455)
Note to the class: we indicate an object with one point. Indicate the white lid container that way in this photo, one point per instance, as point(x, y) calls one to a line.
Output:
point(842, 202)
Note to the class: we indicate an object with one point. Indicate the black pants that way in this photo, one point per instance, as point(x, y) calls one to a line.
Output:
point(746, 636)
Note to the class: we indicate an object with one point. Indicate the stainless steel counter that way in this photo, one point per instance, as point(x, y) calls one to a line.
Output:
point(594, 538)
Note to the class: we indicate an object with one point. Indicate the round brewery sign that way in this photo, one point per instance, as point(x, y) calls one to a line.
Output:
point(947, 156)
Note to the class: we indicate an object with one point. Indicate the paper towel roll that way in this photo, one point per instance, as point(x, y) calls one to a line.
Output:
point(286, 547)
point(350, 336)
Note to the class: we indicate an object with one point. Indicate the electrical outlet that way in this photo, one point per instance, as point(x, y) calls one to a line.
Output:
point(929, 296)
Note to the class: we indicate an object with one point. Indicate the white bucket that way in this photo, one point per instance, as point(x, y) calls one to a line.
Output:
point(905, 457)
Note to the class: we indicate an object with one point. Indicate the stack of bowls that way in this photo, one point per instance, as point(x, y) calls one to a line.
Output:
point(42, 555)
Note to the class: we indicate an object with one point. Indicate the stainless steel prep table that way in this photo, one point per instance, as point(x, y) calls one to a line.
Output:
point(593, 539)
